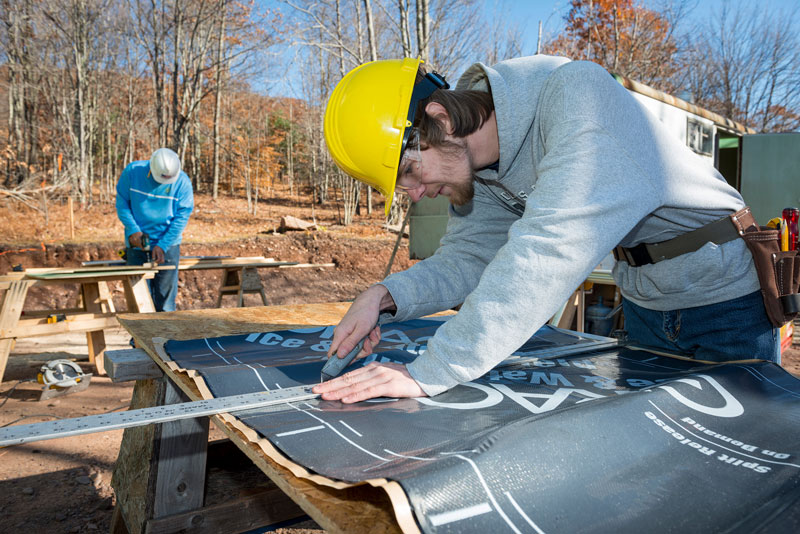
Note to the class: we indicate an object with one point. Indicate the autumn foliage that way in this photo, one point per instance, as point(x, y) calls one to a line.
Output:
point(623, 37)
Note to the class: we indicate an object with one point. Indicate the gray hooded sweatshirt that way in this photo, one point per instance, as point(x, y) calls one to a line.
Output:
point(583, 167)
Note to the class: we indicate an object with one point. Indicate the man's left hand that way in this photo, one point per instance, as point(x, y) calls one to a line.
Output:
point(158, 254)
point(374, 380)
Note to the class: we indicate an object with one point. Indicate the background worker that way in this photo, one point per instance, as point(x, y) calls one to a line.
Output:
point(548, 165)
point(155, 198)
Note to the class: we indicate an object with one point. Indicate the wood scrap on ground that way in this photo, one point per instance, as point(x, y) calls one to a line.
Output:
point(395, 229)
point(293, 223)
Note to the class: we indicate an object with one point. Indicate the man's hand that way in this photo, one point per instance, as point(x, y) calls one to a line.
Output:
point(359, 322)
point(158, 254)
point(374, 380)
point(135, 239)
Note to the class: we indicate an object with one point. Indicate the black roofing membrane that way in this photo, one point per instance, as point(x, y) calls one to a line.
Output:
point(575, 435)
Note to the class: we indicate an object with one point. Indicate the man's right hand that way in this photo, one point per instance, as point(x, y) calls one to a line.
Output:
point(359, 322)
point(135, 239)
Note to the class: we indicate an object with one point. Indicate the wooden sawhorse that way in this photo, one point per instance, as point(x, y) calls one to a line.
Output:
point(95, 310)
point(239, 281)
point(160, 475)
point(168, 475)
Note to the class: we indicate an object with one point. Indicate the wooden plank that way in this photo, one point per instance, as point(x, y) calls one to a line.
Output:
point(93, 275)
point(238, 497)
point(111, 271)
point(13, 302)
point(305, 265)
point(39, 314)
point(118, 525)
point(40, 327)
point(230, 289)
point(238, 515)
point(72, 316)
point(100, 270)
point(231, 259)
point(181, 466)
point(568, 315)
point(241, 281)
point(354, 510)
point(12, 276)
point(197, 324)
point(251, 281)
point(133, 478)
point(184, 260)
point(106, 299)
point(102, 263)
point(130, 364)
point(220, 265)
point(137, 295)
point(95, 339)
point(159, 466)
point(5, 349)
point(46, 270)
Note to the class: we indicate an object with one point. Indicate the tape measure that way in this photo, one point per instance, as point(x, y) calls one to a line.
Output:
point(15, 435)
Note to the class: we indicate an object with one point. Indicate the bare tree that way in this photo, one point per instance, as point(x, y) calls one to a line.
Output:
point(219, 67)
point(76, 21)
point(745, 64)
point(18, 45)
point(423, 29)
point(504, 39)
point(405, 34)
point(373, 56)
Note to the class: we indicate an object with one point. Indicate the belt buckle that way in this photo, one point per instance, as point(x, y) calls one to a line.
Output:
point(623, 254)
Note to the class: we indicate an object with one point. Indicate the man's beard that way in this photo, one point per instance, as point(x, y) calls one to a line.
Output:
point(462, 194)
point(458, 162)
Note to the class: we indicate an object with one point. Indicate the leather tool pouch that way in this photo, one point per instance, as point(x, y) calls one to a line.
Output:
point(778, 271)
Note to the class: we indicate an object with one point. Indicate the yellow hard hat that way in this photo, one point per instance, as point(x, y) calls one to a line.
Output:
point(369, 117)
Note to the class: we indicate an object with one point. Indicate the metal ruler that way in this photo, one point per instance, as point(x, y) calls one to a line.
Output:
point(14, 435)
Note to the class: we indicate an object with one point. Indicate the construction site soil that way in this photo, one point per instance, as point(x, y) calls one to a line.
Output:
point(63, 485)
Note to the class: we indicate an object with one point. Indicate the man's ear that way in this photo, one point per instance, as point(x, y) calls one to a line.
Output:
point(437, 111)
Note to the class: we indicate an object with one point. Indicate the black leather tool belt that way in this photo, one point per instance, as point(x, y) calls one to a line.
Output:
point(719, 232)
point(778, 271)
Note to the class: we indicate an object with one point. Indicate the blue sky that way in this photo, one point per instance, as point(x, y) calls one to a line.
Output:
point(527, 14)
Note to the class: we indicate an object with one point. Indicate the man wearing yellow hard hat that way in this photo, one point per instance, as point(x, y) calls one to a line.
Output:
point(548, 165)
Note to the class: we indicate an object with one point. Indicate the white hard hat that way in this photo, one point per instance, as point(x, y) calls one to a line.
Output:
point(165, 166)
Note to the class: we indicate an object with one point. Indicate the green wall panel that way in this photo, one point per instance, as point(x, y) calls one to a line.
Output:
point(426, 226)
point(770, 173)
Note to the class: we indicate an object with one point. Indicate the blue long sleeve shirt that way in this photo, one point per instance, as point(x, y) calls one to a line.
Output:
point(159, 210)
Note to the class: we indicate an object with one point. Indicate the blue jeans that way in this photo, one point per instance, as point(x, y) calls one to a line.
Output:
point(737, 329)
point(164, 285)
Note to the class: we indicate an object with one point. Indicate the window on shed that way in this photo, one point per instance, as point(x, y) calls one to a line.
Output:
point(699, 137)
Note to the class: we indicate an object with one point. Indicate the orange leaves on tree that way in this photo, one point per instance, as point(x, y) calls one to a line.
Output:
point(624, 37)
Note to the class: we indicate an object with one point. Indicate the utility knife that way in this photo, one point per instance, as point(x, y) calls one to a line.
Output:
point(334, 366)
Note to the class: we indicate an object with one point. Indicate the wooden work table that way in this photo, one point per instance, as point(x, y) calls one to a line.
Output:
point(93, 312)
point(95, 309)
point(148, 504)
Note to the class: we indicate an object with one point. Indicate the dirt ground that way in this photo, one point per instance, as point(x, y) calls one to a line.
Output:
point(63, 485)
